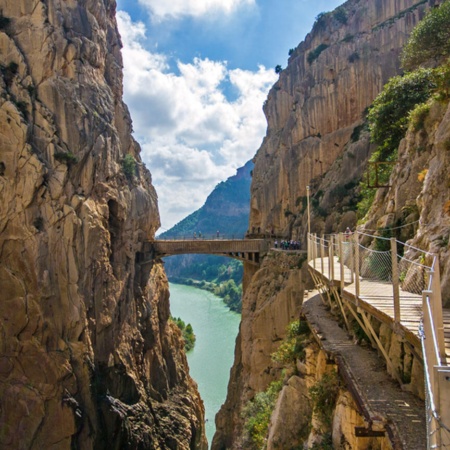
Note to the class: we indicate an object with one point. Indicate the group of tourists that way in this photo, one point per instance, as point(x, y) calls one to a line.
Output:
point(287, 245)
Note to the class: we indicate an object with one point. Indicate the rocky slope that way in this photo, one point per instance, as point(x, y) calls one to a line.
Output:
point(316, 138)
point(88, 356)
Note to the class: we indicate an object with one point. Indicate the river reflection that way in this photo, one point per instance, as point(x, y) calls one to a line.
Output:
point(216, 328)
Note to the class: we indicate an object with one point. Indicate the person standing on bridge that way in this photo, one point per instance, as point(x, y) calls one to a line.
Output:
point(217, 234)
point(348, 233)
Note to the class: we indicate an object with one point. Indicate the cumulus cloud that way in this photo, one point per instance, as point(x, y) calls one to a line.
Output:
point(196, 8)
point(192, 135)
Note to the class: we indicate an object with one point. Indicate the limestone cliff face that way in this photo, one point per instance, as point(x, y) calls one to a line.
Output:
point(88, 356)
point(313, 112)
point(271, 301)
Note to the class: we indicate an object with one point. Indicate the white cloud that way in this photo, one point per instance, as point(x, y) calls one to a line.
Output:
point(178, 8)
point(192, 136)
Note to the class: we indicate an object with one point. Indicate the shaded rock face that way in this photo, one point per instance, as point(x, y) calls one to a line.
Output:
point(88, 356)
point(313, 112)
point(271, 301)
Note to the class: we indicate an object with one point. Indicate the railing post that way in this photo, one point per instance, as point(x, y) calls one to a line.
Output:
point(352, 259)
point(436, 307)
point(356, 244)
point(341, 262)
point(395, 281)
point(314, 247)
point(331, 258)
point(322, 253)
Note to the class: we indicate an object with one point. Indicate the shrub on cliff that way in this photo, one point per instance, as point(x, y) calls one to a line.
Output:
point(187, 332)
point(324, 395)
point(430, 39)
point(388, 115)
point(129, 166)
point(293, 346)
point(257, 414)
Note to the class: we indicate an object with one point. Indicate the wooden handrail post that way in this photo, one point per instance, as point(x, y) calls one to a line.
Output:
point(322, 253)
point(357, 287)
point(395, 281)
point(341, 262)
point(331, 258)
point(314, 248)
point(436, 307)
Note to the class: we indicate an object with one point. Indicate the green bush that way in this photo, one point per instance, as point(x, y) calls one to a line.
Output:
point(187, 332)
point(256, 415)
point(129, 166)
point(278, 69)
point(292, 347)
point(340, 14)
point(313, 55)
point(66, 158)
point(389, 113)
point(324, 396)
point(430, 39)
point(418, 115)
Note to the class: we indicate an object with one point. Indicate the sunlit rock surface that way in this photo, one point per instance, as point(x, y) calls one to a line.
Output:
point(88, 357)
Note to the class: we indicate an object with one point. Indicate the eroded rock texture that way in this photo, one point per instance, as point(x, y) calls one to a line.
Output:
point(272, 300)
point(88, 358)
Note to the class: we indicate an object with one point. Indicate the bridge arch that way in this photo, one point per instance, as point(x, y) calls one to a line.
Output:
point(247, 250)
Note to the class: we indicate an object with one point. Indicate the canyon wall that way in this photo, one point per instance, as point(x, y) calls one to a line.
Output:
point(88, 355)
point(315, 110)
point(316, 137)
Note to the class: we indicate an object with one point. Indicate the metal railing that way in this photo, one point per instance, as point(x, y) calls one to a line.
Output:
point(402, 272)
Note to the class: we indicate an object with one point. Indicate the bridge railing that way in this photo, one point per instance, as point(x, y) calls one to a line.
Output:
point(201, 236)
point(411, 274)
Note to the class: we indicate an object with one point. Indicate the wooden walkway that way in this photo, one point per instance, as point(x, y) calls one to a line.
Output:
point(376, 395)
point(376, 298)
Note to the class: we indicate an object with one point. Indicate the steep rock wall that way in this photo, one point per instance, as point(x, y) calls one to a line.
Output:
point(88, 356)
point(271, 301)
point(314, 109)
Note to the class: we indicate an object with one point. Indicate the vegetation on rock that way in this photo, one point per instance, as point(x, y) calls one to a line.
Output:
point(256, 415)
point(187, 332)
point(129, 166)
point(324, 395)
point(430, 40)
point(292, 347)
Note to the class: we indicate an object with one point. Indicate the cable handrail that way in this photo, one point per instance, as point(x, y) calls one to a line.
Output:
point(412, 280)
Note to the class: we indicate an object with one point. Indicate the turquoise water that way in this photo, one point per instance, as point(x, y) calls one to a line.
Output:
point(216, 328)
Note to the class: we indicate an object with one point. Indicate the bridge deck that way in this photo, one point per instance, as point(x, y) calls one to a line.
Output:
point(249, 250)
point(376, 298)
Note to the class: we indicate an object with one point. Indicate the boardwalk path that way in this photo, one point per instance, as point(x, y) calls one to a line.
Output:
point(383, 395)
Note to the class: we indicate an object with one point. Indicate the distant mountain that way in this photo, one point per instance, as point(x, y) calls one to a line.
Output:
point(226, 209)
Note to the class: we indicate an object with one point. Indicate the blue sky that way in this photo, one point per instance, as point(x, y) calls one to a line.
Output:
point(196, 73)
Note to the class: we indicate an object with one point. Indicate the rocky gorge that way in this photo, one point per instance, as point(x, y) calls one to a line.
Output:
point(89, 356)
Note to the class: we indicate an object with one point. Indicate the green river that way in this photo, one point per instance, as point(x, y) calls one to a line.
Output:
point(216, 328)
